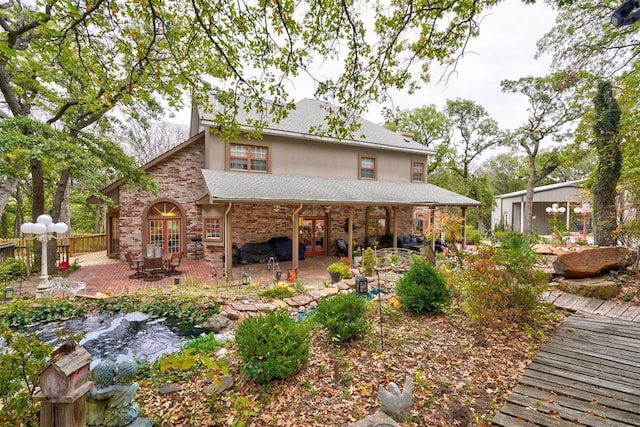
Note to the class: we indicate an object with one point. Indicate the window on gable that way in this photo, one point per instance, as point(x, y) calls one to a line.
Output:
point(213, 228)
point(417, 171)
point(367, 168)
point(251, 158)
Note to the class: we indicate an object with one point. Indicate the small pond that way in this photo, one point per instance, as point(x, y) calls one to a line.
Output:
point(118, 337)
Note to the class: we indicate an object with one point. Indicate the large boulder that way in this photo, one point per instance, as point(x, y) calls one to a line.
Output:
point(592, 287)
point(593, 261)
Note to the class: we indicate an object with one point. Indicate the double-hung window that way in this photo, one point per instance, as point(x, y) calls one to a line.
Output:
point(213, 228)
point(367, 168)
point(250, 158)
point(417, 171)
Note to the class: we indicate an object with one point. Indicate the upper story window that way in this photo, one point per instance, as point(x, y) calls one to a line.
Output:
point(417, 171)
point(251, 158)
point(367, 168)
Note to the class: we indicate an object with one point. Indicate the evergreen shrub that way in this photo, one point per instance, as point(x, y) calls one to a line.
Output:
point(272, 346)
point(422, 289)
point(344, 316)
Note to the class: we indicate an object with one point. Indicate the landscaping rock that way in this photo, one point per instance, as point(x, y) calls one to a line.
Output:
point(375, 419)
point(279, 304)
point(217, 323)
point(260, 306)
point(231, 314)
point(225, 383)
point(169, 388)
point(331, 290)
point(591, 262)
point(597, 287)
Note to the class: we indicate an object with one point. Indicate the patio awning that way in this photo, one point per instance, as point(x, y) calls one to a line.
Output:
point(257, 187)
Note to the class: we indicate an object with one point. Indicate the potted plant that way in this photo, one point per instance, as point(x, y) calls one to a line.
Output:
point(357, 256)
point(338, 270)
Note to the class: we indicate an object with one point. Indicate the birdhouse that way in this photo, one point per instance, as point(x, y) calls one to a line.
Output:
point(66, 374)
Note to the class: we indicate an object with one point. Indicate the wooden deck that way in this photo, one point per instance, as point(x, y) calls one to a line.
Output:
point(587, 374)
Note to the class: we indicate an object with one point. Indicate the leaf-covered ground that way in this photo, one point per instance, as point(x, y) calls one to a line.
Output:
point(461, 375)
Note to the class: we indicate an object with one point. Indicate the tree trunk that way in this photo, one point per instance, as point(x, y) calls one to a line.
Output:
point(9, 185)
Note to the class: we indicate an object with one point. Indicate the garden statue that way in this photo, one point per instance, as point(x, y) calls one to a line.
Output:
point(111, 398)
point(394, 403)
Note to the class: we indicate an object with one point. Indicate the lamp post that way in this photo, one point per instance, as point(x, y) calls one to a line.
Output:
point(554, 210)
point(43, 230)
point(583, 211)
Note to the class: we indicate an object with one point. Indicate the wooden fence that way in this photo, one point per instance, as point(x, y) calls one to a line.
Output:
point(67, 246)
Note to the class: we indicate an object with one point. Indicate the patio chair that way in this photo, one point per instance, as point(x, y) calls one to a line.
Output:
point(153, 268)
point(342, 248)
point(174, 262)
point(134, 266)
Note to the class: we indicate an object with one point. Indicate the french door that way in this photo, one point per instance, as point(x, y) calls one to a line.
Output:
point(314, 236)
point(163, 227)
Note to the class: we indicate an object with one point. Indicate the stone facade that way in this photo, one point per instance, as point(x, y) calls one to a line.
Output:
point(180, 182)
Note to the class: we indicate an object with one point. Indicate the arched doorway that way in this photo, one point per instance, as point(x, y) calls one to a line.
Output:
point(313, 231)
point(164, 222)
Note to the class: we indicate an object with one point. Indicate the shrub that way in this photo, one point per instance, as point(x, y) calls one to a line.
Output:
point(422, 289)
point(473, 235)
point(502, 284)
point(272, 346)
point(12, 269)
point(368, 261)
point(344, 316)
point(280, 291)
point(20, 364)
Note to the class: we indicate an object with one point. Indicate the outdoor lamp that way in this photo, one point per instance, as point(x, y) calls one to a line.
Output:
point(246, 279)
point(8, 293)
point(554, 209)
point(43, 230)
point(362, 285)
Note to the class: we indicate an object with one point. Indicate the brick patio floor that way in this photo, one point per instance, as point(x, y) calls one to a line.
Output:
point(105, 275)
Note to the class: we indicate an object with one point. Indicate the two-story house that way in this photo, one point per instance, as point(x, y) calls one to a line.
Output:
point(291, 183)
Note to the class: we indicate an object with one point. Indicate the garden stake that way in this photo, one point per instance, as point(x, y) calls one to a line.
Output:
point(380, 312)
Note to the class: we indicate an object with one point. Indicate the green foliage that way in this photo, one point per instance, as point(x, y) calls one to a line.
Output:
point(422, 289)
point(20, 364)
point(184, 309)
point(368, 261)
point(501, 284)
point(23, 312)
point(12, 268)
point(125, 303)
point(344, 316)
point(473, 235)
point(272, 346)
point(341, 268)
point(204, 344)
point(279, 291)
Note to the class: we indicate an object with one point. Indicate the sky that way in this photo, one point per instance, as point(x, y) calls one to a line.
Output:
point(505, 49)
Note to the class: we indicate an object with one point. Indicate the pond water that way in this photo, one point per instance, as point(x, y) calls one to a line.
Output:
point(119, 337)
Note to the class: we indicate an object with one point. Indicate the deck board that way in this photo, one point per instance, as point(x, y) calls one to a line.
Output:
point(587, 374)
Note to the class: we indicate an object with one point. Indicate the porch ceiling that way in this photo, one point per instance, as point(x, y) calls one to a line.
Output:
point(256, 187)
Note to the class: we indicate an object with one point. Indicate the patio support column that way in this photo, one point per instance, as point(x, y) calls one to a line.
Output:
point(295, 239)
point(464, 227)
point(350, 233)
point(228, 242)
point(395, 226)
point(432, 227)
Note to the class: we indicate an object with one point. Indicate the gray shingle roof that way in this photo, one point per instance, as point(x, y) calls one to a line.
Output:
point(247, 187)
point(311, 113)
